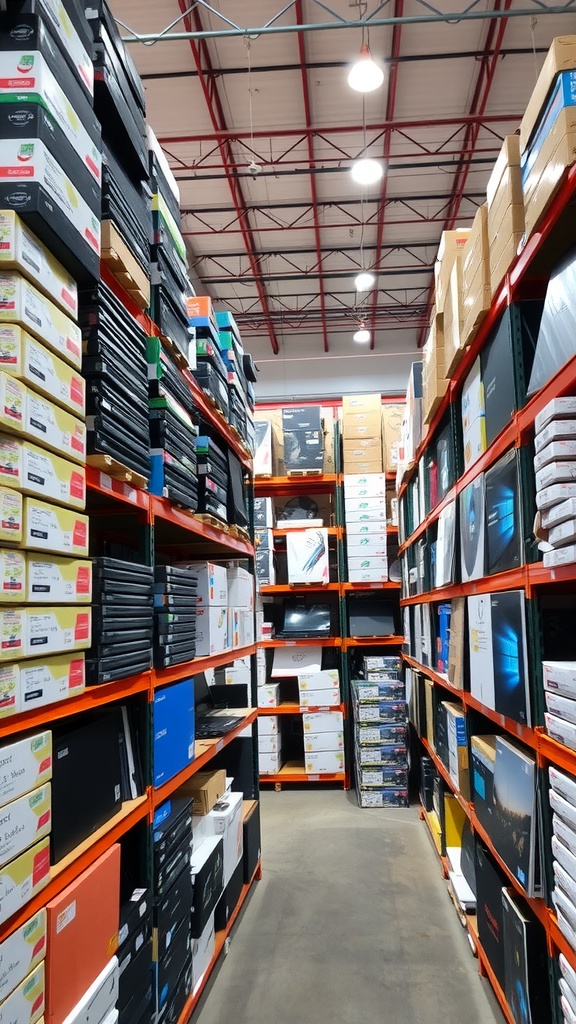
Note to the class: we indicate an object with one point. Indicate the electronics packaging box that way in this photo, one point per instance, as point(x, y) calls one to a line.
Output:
point(296, 661)
point(206, 867)
point(483, 755)
point(363, 516)
point(473, 421)
point(226, 821)
point(323, 762)
point(308, 556)
point(82, 933)
point(24, 821)
point(53, 529)
point(48, 680)
point(269, 696)
point(263, 513)
point(173, 730)
point(206, 788)
point(526, 961)
point(12, 576)
point(52, 630)
point(240, 587)
point(355, 532)
point(358, 546)
point(563, 732)
point(21, 250)
point(270, 762)
point(321, 698)
point(322, 741)
point(364, 485)
point(202, 953)
point(472, 529)
point(372, 575)
point(54, 428)
point(23, 878)
point(560, 677)
point(327, 679)
point(514, 821)
point(12, 633)
point(22, 303)
point(34, 471)
point(212, 583)
point(21, 953)
point(55, 580)
point(562, 707)
point(25, 765)
point(504, 534)
point(558, 450)
point(268, 725)
point(269, 744)
point(211, 630)
point(556, 409)
point(555, 473)
point(26, 1003)
point(554, 434)
point(263, 454)
point(383, 797)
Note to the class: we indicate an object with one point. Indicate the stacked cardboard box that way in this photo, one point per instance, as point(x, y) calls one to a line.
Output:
point(269, 744)
point(505, 210)
point(562, 795)
point(434, 382)
point(366, 526)
point(391, 436)
point(555, 470)
point(379, 706)
point(323, 729)
point(560, 696)
point(476, 291)
point(362, 433)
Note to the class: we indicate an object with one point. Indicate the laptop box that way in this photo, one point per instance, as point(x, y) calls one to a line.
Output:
point(229, 898)
point(173, 730)
point(82, 923)
point(170, 909)
point(206, 867)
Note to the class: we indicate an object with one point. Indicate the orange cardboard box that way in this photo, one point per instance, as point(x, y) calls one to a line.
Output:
point(199, 305)
point(83, 925)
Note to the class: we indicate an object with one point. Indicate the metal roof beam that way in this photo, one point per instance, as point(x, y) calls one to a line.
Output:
point(425, 197)
point(331, 274)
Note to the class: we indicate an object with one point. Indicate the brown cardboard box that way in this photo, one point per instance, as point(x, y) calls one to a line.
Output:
point(392, 416)
point(558, 151)
point(508, 157)
point(453, 322)
point(504, 252)
point(355, 465)
point(328, 423)
point(433, 380)
point(457, 642)
point(361, 403)
point(476, 293)
point(475, 251)
point(450, 249)
point(560, 57)
point(368, 446)
point(206, 788)
point(361, 424)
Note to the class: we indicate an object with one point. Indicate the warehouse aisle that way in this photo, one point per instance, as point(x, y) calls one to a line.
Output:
point(350, 924)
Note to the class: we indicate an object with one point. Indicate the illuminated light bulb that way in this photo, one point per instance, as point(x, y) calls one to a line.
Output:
point(365, 75)
point(364, 281)
point(362, 335)
point(366, 171)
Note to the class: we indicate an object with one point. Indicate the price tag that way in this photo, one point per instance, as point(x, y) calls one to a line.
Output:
point(291, 643)
point(313, 778)
point(219, 746)
point(105, 481)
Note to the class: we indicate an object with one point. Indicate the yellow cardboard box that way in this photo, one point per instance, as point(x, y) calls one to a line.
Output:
point(54, 630)
point(21, 250)
point(49, 680)
point(53, 579)
point(35, 471)
point(11, 516)
point(361, 403)
point(24, 357)
point(54, 428)
point(47, 527)
point(23, 878)
point(12, 576)
point(22, 303)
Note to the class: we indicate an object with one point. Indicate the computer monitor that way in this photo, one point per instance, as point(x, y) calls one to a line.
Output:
point(302, 619)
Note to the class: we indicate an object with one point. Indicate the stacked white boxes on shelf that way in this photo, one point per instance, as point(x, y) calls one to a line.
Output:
point(323, 728)
point(366, 525)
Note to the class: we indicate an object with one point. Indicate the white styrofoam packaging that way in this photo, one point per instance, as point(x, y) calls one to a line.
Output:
point(562, 707)
point(560, 677)
point(323, 741)
point(53, 579)
point(24, 821)
point(23, 878)
point(21, 952)
point(50, 528)
point(40, 369)
point(270, 762)
point(559, 556)
point(557, 451)
point(211, 630)
point(99, 999)
point(25, 1005)
point(323, 762)
point(269, 696)
point(562, 731)
point(25, 765)
point(240, 587)
point(212, 583)
point(23, 304)
point(321, 721)
point(557, 408)
point(556, 430)
point(22, 250)
point(564, 533)
point(54, 428)
point(269, 744)
point(268, 725)
point(51, 630)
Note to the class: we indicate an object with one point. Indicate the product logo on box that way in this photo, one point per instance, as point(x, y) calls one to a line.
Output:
point(16, 200)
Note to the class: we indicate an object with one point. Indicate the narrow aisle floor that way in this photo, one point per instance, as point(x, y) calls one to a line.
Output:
point(350, 924)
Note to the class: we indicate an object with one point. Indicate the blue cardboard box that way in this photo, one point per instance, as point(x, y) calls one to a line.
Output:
point(173, 747)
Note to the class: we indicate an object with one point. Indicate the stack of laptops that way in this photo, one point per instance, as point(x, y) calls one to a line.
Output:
point(175, 601)
point(212, 478)
point(122, 620)
point(115, 368)
point(173, 463)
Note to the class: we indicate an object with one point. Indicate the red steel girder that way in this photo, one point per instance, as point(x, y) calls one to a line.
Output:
point(310, 141)
point(484, 80)
point(390, 105)
point(302, 133)
point(207, 79)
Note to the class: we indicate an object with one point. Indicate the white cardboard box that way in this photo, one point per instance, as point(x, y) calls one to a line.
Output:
point(558, 450)
point(240, 587)
point(562, 731)
point(562, 707)
point(269, 696)
point(270, 743)
point(26, 1003)
point(364, 515)
point(24, 821)
point(270, 763)
point(294, 660)
point(325, 679)
point(226, 821)
point(560, 677)
point(268, 725)
point(324, 762)
point(352, 506)
point(556, 431)
point(21, 952)
point(23, 877)
point(211, 630)
point(308, 558)
point(320, 698)
point(375, 546)
point(321, 741)
point(354, 531)
point(212, 583)
point(370, 575)
point(202, 953)
point(25, 765)
point(322, 721)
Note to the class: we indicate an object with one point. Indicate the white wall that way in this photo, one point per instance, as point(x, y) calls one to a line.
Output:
point(303, 370)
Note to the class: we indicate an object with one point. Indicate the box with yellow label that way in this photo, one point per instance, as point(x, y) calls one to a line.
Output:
point(35, 471)
point(324, 762)
point(12, 576)
point(25, 765)
point(22, 303)
point(11, 516)
point(26, 1003)
point(21, 250)
point(21, 952)
point(24, 357)
point(11, 634)
point(50, 680)
point(22, 878)
point(12, 404)
point(52, 630)
point(54, 428)
point(47, 527)
point(211, 631)
point(24, 821)
point(53, 579)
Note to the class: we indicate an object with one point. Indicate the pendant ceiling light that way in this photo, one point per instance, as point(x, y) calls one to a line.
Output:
point(367, 171)
point(362, 335)
point(365, 75)
point(364, 281)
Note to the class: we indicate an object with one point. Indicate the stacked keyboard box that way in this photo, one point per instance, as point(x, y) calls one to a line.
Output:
point(175, 600)
point(379, 713)
point(123, 620)
point(211, 371)
point(173, 430)
point(170, 285)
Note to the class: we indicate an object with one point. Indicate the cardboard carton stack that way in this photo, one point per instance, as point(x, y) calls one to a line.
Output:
point(505, 210)
point(434, 378)
point(448, 284)
point(560, 696)
point(379, 705)
point(269, 744)
point(555, 470)
point(362, 434)
point(323, 728)
point(476, 291)
point(366, 527)
point(562, 794)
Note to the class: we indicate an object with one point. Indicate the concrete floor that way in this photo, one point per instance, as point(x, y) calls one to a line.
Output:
point(350, 924)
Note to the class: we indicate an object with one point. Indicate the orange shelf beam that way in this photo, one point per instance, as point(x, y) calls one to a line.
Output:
point(293, 708)
point(299, 588)
point(300, 776)
point(514, 579)
point(388, 585)
point(205, 751)
point(557, 753)
point(332, 531)
point(161, 676)
point(372, 641)
point(118, 490)
point(329, 641)
point(485, 968)
point(286, 485)
point(162, 509)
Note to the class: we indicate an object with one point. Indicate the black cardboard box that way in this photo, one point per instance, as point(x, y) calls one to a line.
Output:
point(490, 882)
point(171, 908)
point(134, 975)
point(251, 833)
point(207, 874)
point(170, 965)
point(229, 898)
point(132, 913)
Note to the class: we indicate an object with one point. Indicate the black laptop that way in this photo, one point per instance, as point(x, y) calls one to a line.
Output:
point(305, 621)
point(209, 722)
